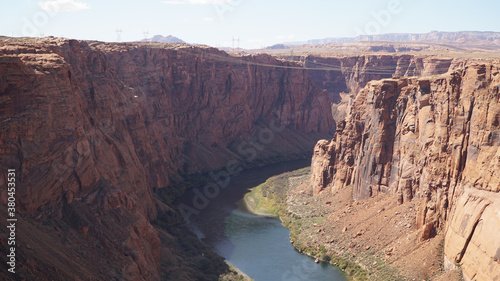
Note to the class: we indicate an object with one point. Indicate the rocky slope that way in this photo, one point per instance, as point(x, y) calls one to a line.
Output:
point(434, 138)
point(97, 131)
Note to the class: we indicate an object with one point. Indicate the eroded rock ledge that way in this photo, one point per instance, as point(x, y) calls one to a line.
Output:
point(93, 129)
point(436, 138)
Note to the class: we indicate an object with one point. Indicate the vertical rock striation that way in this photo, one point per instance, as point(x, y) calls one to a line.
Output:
point(349, 74)
point(436, 138)
point(93, 129)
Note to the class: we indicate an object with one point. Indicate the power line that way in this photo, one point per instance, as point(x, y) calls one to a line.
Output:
point(366, 69)
point(326, 67)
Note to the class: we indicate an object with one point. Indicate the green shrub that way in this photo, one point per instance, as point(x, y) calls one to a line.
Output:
point(322, 249)
point(325, 257)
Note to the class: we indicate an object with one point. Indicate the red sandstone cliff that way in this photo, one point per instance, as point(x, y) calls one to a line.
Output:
point(435, 138)
point(92, 130)
point(350, 74)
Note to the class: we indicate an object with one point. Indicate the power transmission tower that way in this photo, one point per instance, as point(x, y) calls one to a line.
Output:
point(118, 35)
point(146, 33)
point(237, 40)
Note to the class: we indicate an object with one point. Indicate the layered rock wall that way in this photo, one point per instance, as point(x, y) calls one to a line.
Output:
point(93, 129)
point(349, 74)
point(138, 114)
point(436, 138)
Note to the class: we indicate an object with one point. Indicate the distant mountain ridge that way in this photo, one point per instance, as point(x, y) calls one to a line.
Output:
point(431, 36)
point(163, 39)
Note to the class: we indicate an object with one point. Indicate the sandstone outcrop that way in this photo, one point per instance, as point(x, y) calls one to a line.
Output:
point(350, 74)
point(98, 133)
point(94, 129)
point(435, 138)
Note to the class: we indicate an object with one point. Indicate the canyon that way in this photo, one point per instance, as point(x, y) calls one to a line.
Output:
point(106, 136)
point(102, 137)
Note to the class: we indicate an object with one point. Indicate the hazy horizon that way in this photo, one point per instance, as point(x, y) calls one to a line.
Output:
point(256, 23)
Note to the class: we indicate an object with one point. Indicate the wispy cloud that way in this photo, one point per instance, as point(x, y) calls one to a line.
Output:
point(196, 2)
point(63, 5)
point(208, 19)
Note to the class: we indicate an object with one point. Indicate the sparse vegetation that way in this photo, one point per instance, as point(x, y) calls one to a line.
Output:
point(270, 198)
point(233, 275)
point(440, 254)
point(353, 270)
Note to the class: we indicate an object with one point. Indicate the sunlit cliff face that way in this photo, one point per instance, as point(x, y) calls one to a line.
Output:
point(434, 138)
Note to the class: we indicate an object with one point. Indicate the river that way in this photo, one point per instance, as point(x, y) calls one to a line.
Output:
point(257, 245)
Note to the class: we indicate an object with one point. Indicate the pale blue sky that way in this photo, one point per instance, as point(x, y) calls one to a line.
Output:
point(256, 22)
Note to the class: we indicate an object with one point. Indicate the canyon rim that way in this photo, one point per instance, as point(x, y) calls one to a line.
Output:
point(100, 140)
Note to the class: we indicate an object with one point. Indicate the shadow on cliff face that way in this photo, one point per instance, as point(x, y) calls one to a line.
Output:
point(94, 128)
point(209, 220)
